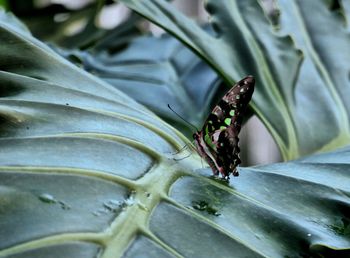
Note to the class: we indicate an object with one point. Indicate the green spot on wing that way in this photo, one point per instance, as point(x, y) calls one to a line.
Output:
point(208, 140)
point(228, 121)
point(232, 112)
point(223, 127)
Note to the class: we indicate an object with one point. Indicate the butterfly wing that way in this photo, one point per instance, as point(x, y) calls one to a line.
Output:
point(221, 129)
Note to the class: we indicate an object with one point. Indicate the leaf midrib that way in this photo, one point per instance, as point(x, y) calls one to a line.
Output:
point(344, 121)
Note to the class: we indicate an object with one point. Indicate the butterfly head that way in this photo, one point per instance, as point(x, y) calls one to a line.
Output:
point(196, 136)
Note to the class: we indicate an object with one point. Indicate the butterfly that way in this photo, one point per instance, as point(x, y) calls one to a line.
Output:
point(217, 142)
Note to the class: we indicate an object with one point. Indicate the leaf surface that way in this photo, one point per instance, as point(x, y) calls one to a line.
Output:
point(300, 67)
point(173, 76)
point(85, 171)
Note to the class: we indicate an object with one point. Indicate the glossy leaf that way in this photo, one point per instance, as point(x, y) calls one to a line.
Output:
point(85, 171)
point(301, 67)
point(173, 76)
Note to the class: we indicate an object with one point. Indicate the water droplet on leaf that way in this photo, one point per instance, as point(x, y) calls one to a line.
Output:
point(47, 198)
point(64, 205)
point(204, 206)
point(142, 206)
point(112, 205)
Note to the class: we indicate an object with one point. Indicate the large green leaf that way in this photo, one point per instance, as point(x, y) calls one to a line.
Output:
point(301, 67)
point(173, 76)
point(88, 172)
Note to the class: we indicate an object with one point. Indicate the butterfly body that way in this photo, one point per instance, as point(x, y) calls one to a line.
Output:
point(217, 142)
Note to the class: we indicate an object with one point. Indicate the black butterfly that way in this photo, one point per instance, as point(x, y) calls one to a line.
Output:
point(217, 142)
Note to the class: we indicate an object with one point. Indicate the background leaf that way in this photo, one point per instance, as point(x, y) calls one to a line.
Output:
point(172, 76)
point(299, 97)
point(67, 24)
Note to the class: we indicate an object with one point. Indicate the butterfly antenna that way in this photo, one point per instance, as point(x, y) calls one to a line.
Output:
point(183, 118)
point(180, 150)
